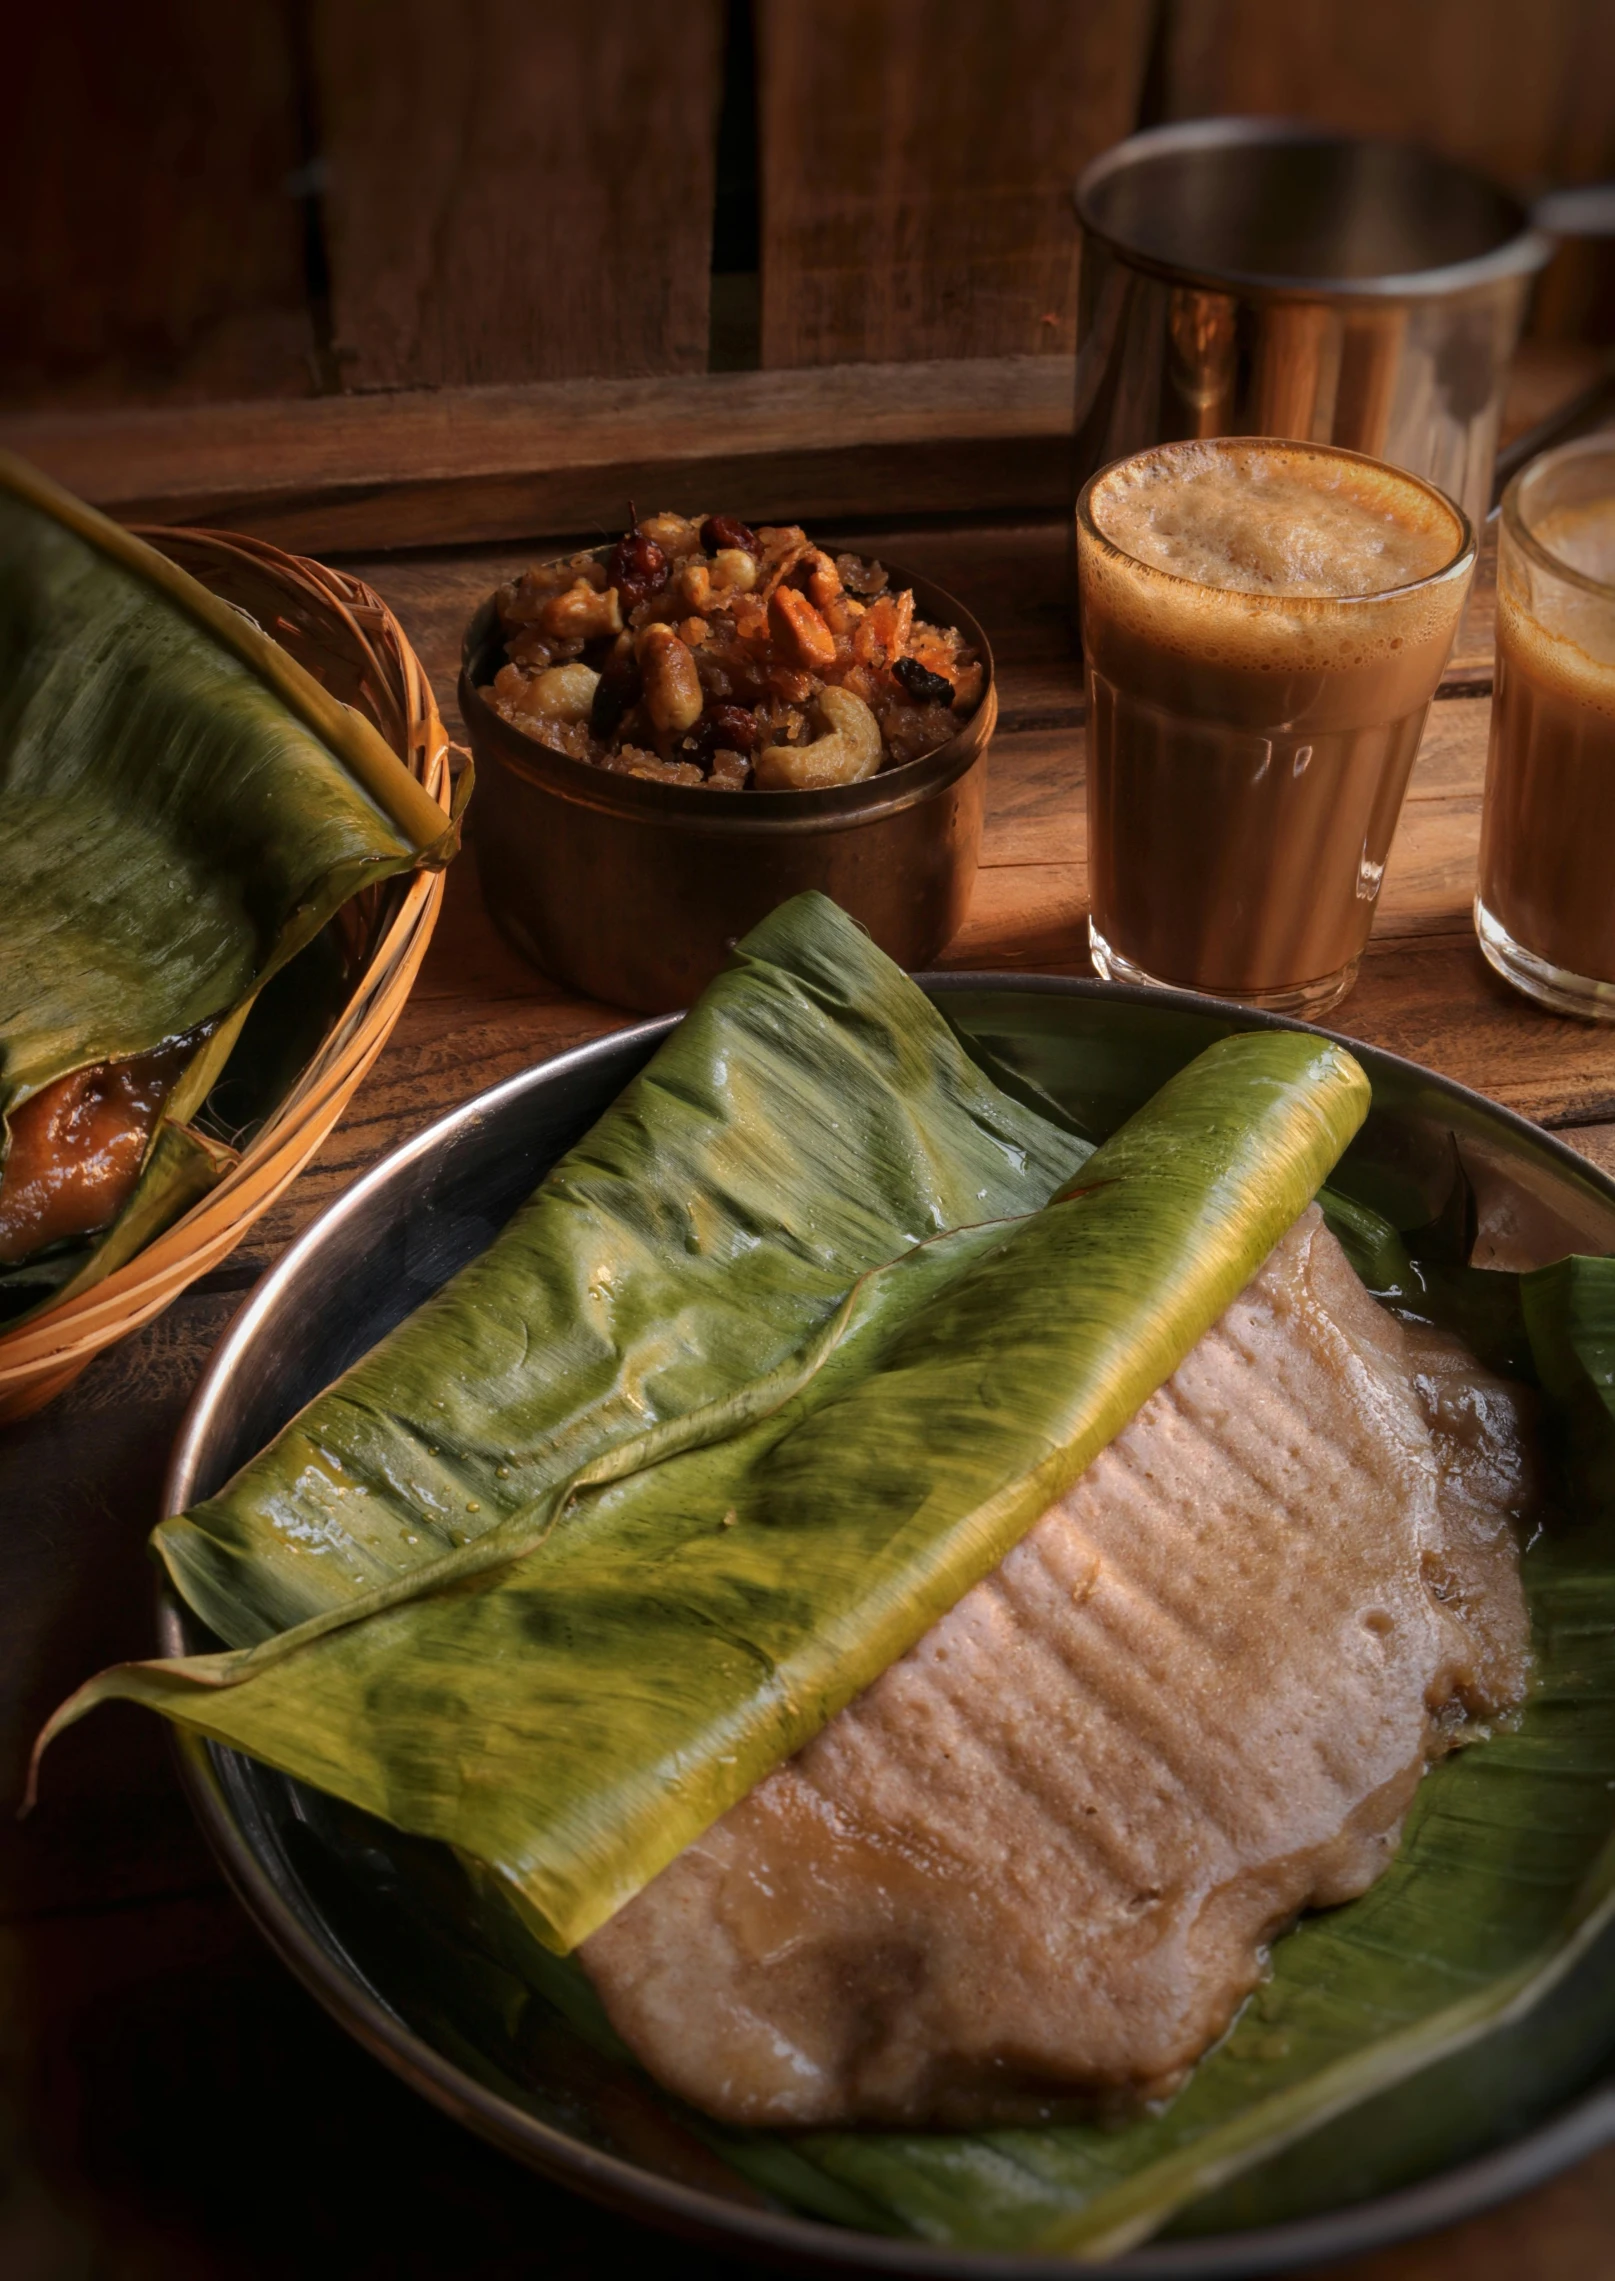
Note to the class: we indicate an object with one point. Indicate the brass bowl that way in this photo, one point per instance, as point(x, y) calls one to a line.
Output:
point(634, 891)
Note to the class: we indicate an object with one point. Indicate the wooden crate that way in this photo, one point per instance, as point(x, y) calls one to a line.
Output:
point(460, 259)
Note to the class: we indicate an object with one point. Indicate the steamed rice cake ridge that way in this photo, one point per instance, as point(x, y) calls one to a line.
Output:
point(1041, 1858)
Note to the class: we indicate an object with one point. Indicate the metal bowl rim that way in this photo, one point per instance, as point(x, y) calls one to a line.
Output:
point(1463, 2191)
point(1521, 254)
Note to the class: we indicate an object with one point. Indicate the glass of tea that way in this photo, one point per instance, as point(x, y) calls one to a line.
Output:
point(1545, 910)
point(1264, 624)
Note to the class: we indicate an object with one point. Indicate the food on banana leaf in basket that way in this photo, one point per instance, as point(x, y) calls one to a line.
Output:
point(702, 652)
point(895, 1626)
point(185, 811)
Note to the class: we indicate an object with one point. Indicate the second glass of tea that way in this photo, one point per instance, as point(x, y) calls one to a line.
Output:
point(1545, 912)
point(1264, 624)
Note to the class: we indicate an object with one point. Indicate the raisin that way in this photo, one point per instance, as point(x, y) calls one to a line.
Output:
point(616, 693)
point(638, 568)
point(924, 686)
point(729, 728)
point(719, 531)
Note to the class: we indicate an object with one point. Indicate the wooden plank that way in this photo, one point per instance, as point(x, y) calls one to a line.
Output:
point(1565, 2231)
point(1595, 1142)
point(436, 467)
point(917, 162)
point(153, 247)
point(1521, 92)
point(516, 191)
point(432, 468)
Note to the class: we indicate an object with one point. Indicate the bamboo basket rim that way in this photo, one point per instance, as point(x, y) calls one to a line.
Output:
point(40, 1356)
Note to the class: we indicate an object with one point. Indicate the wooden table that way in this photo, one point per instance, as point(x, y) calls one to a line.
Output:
point(171, 2104)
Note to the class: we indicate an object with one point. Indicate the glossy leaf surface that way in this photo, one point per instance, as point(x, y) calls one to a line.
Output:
point(777, 1363)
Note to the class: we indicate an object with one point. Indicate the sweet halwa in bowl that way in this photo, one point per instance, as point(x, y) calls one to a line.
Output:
point(679, 731)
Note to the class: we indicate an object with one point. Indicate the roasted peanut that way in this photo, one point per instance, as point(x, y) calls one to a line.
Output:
point(673, 695)
point(799, 630)
point(581, 614)
point(704, 585)
point(733, 571)
point(847, 749)
point(565, 693)
point(695, 583)
point(676, 533)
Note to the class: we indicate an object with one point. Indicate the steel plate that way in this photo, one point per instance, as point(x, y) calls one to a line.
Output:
point(330, 1889)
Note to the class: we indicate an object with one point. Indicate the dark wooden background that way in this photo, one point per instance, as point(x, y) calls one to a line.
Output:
point(416, 283)
point(298, 198)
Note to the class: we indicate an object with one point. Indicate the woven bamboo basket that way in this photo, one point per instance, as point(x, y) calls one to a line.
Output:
point(348, 639)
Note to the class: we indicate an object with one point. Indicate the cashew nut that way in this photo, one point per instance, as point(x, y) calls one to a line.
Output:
point(673, 696)
point(848, 750)
point(581, 614)
point(564, 693)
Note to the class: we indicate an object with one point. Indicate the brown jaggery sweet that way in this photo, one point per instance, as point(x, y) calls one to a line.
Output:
point(701, 651)
point(77, 1147)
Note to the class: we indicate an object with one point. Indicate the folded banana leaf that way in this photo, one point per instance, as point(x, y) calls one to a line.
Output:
point(714, 1546)
point(719, 1334)
point(1461, 2001)
point(182, 809)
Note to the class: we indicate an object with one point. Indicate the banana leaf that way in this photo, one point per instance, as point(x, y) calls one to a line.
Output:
point(712, 1557)
point(1462, 2000)
point(182, 809)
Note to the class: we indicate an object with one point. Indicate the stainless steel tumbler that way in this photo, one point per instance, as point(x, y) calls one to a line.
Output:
point(1259, 277)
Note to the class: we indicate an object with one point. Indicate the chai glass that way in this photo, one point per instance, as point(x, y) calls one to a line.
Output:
point(1248, 750)
point(1545, 910)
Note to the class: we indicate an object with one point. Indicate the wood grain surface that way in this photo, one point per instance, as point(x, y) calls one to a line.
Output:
point(1520, 92)
point(170, 2104)
point(981, 436)
point(516, 191)
point(118, 282)
point(431, 466)
point(917, 162)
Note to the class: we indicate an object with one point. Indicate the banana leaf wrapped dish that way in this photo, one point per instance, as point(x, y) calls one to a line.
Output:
point(186, 811)
point(815, 1374)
